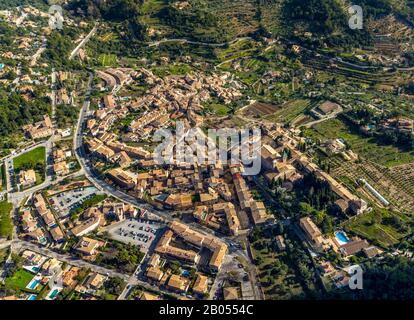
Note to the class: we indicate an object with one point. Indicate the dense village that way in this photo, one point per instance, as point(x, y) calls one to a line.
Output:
point(95, 216)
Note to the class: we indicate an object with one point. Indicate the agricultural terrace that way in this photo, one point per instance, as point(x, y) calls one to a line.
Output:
point(396, 184)
point(107, 60)
point(381, 226)
point(366, 147)
point(291, 110)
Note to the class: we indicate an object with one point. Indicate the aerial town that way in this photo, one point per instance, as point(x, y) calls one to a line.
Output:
point(87, 212)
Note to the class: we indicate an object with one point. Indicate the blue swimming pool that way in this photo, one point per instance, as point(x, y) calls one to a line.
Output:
point(185, 273)
point(54, 294)
point(341, 237)
point(32, 297)
point(33, 284)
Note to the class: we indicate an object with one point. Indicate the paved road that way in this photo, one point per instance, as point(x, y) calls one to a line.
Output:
point(83, 42)
point(9, 173)
point(95, 177)
point(53, 87)
point(331, 116)
point(19, 245)
point(13, 196)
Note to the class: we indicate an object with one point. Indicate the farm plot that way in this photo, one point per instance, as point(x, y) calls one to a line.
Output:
point(394, 185)
point(290, 111)
point(107, 60)
point(260, 109)
point(382, 227)
point(367, 148)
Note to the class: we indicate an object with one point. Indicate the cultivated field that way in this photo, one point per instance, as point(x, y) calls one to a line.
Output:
point(367, 148)
point(107, 60)
point(260, 109)
point(289, 111)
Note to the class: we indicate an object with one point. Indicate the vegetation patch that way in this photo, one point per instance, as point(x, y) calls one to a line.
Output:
point(30, 160)
point(6, 225)
point(381, 226)
point(107, 60)
point(120, 256)
point(290, 110)
point(19, 280)
point(367, 147)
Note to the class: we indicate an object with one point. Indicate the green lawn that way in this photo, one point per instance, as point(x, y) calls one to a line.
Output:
point(368, 148)
point(34, 157)
point(219, 109)
point(6, 225)
point(19, 280)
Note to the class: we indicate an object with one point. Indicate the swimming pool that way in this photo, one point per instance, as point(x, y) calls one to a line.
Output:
point(33, 284)
point(32, 269)
point(54, 294)
point(341, 237)
point(32, 297)
point(185, 273)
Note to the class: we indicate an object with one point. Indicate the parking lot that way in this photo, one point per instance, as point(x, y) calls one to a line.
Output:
point(65, 202)
point(139, 232)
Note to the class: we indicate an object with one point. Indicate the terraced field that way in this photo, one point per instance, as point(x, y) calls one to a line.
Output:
point(395, 185)
point(367, 148)
point(260, 109)
point(234, 18)
point(377, 227)
point(386, 168)
point(290, 111)
point(351, 72)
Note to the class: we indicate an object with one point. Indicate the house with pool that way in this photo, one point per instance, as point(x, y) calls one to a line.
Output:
point(339, 242)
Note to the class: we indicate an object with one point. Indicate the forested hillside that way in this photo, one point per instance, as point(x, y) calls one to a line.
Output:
point(218, 21)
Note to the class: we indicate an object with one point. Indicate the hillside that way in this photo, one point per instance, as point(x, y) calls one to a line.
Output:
point(223, 20)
